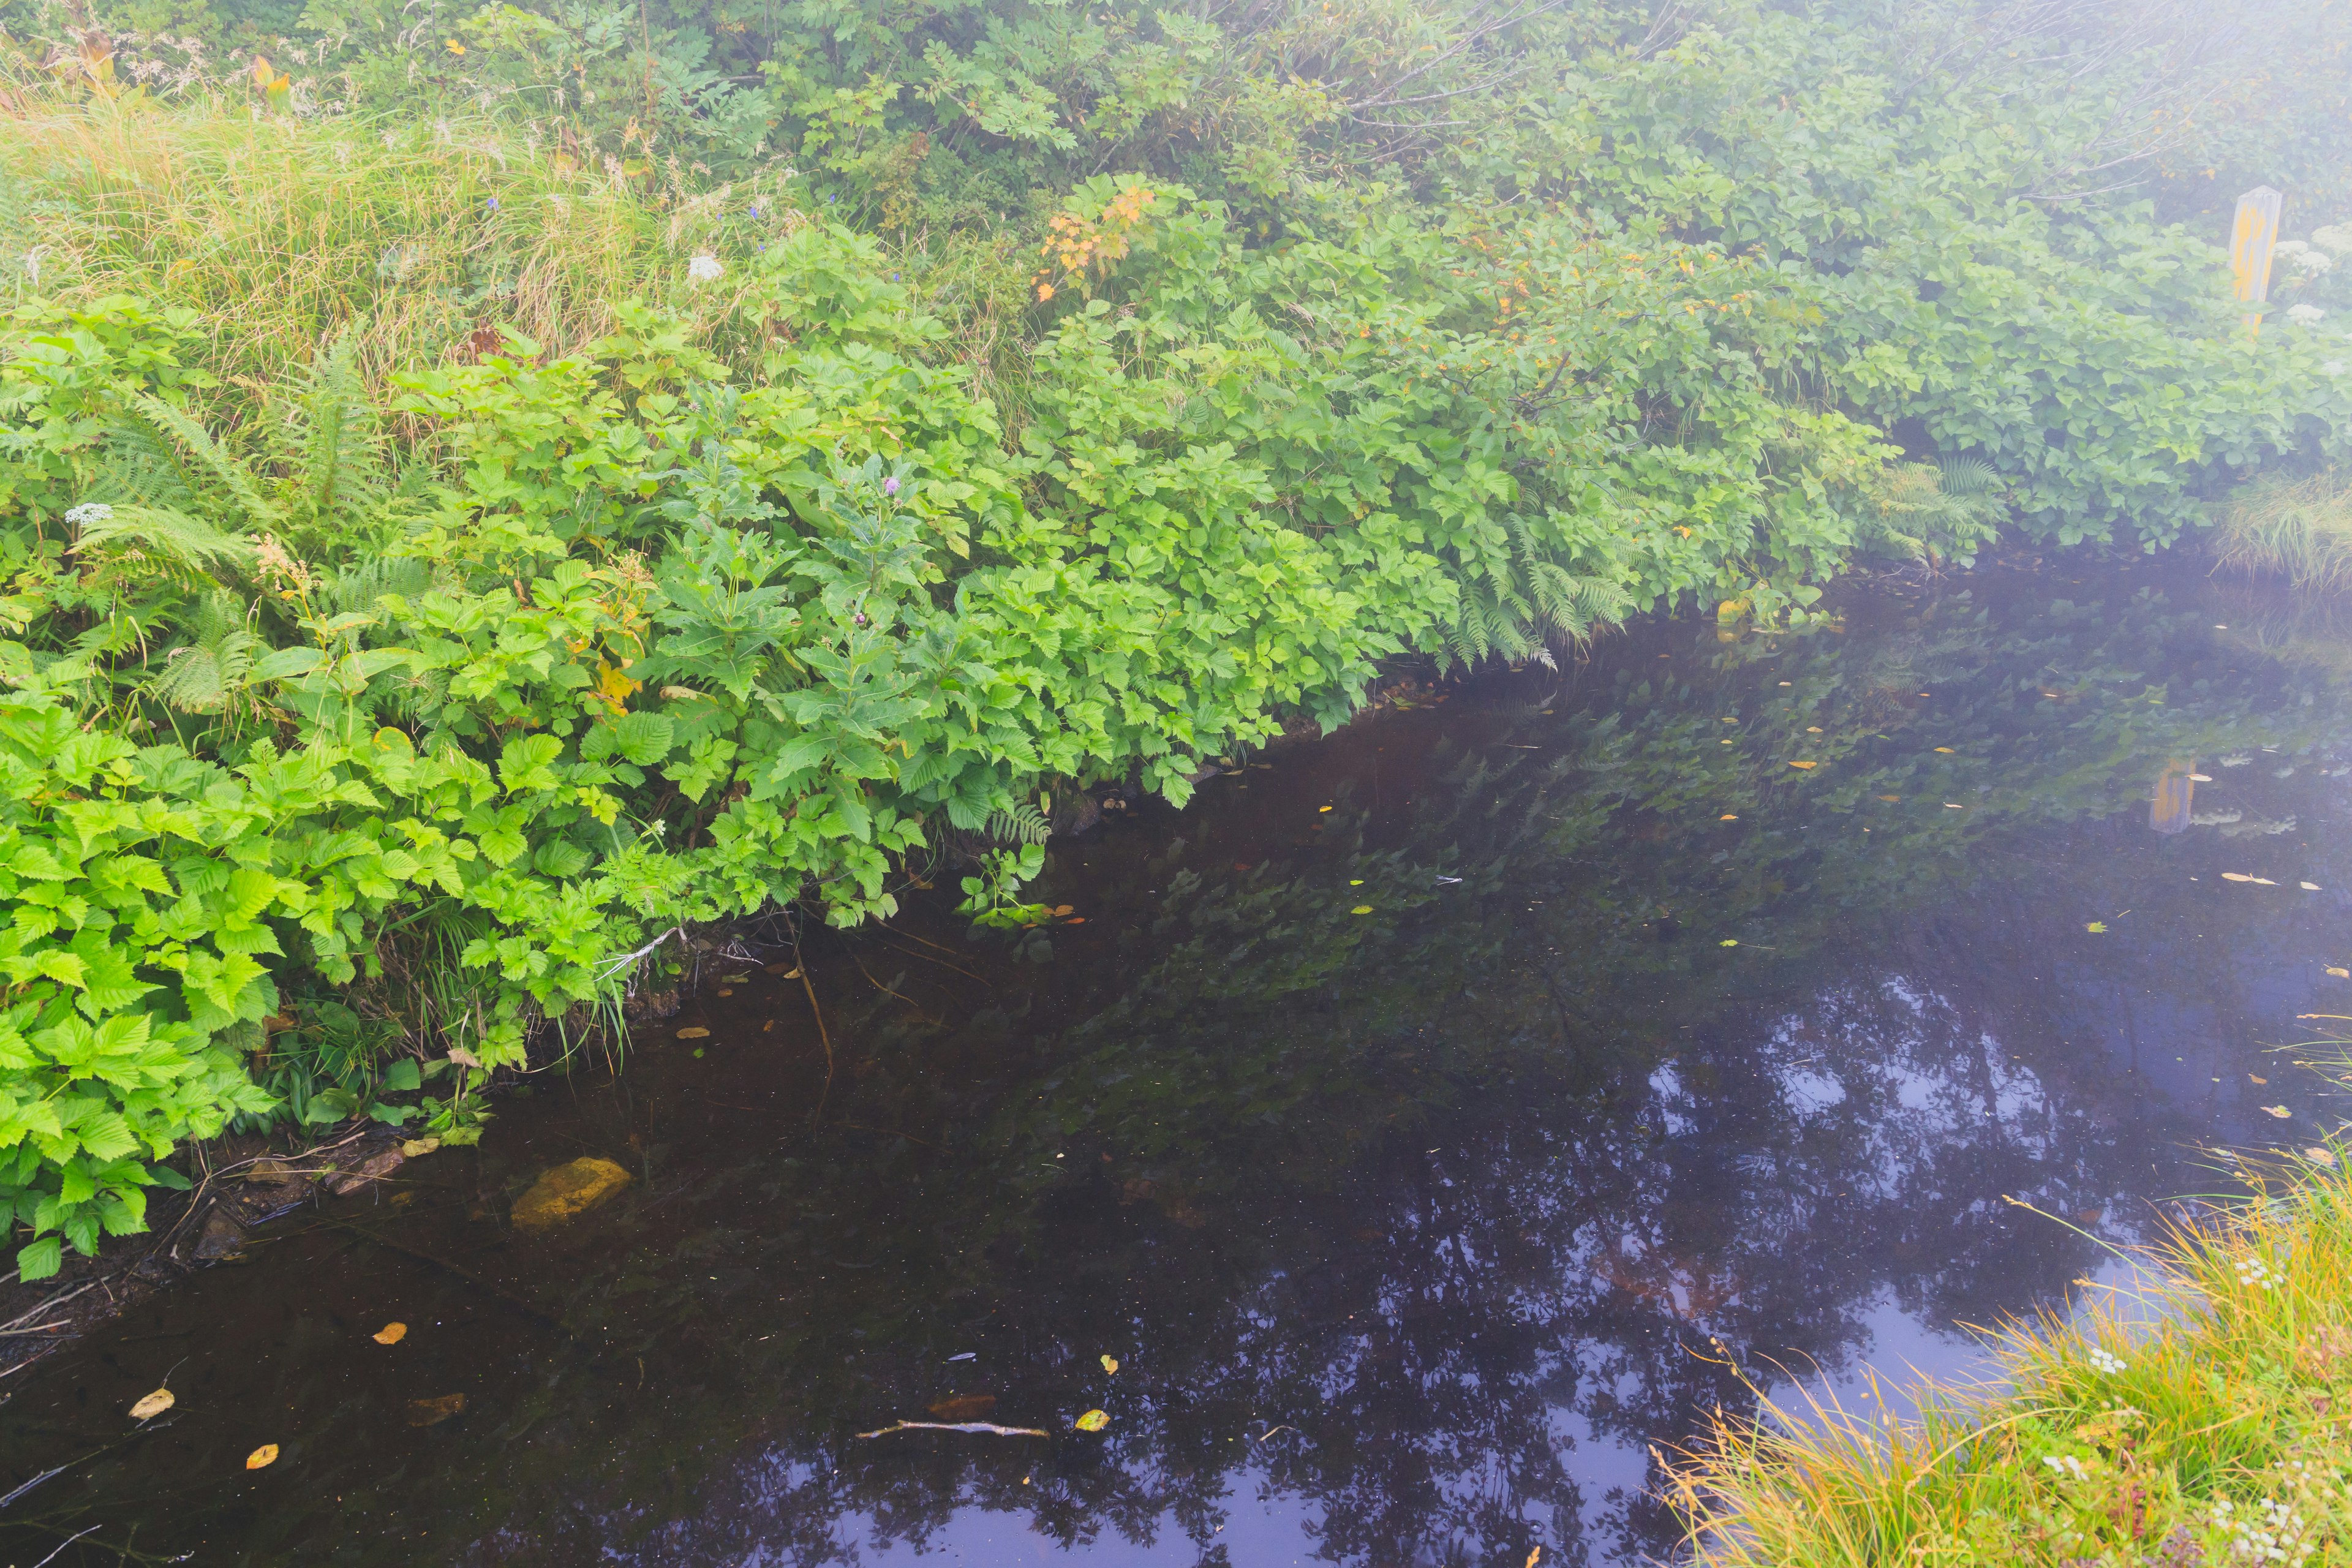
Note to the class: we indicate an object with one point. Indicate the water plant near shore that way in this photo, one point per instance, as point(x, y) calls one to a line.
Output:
point(2195, 1416)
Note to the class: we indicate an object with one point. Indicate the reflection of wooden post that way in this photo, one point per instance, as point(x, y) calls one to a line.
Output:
point(2251, 239)
point(2167, 808)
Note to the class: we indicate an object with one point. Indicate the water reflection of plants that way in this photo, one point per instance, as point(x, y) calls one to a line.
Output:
point(1451, 1189)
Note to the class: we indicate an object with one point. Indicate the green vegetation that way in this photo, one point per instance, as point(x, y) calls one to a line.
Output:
point(2215, 1437)
point(2296, 527)
point(474, 502)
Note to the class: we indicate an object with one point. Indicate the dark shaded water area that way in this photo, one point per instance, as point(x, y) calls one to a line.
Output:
point(1407, 1118)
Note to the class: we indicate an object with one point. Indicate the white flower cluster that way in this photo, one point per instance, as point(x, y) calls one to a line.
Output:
point(2301, 260)
point(2305, 315)
point(2252, 1270)
point(2104, 1362)
point(2336, 239)
point(704, 269)
point(2270, 1531)
point(90, 511)
point(2065, 1464)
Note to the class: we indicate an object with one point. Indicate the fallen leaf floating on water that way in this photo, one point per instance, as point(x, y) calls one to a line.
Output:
point(2235, 877)
point(155, 1405)
point(262, 1457)
point(1947, 751)
point(2201, 778)
point(1890, 797)
point(694, 1034)
point(1322, 808)
point(414, 1147)
point(1954, 806)
point(1729, 941)
point(1729, 816)
point(1111, 1363)
point(1813, 728)
point(1804, 764)
point(1094, 1421)
point(1361, 910)
point(433, 1412)
point(964, 1406)
point(2318, 1156)
point(2281, 1112)
point(2264, 883)
point(390, 1335)
point(2310, 887)
point(2096, 927)
point(2340, 972)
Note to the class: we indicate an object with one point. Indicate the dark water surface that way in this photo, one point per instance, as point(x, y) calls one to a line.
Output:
point(1405, 1226)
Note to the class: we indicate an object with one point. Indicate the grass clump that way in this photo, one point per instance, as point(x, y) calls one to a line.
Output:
point(2298, 528)
point(2215, 1437)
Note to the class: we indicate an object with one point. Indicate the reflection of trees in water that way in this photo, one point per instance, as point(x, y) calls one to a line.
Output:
point(1449, 1189)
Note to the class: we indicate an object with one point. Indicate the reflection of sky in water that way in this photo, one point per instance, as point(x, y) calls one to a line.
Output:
point(1458, 1195)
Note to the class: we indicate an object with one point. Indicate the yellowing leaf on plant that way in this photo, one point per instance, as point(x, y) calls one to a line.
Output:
point(2281, 1112)
point(1094, 1421)
point(390, 1335)
point(153, 1404)
point(264, 1456)
point(1111, 1363)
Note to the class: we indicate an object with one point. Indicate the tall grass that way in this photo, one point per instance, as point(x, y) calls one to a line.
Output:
point(286, 234)
point(2299, 529)
point(2216, 1436)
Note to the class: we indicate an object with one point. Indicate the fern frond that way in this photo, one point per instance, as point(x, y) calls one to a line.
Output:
point(222, 469)
point(1020, 823)
point(334, 433)
point(163, 539)
point(1969, 477)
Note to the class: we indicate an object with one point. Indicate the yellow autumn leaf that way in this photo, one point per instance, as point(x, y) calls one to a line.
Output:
point(1946, 751)
point(2257, 1078)
point(155, 1405)
point(1728, 816)
point(265, 1455)
point(2340, 972)
point(390, 1335)
point(454, 46)
point(1361, 910)
point(1111, 1363)
point(2281, 1112)
point(1094, 1421)
point(1804, 764)
point(2096, 927)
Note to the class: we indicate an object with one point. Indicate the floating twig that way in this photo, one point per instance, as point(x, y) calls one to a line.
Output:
point(989, 1428)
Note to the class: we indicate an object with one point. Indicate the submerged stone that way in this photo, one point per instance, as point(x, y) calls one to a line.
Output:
point(568, 1190)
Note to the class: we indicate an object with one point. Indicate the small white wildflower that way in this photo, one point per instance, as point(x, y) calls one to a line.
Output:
point(2103, 1361)
point(2305, 315)
point(2065, 1465)
point(2336, 239)
point(90, 511)
point(2259, 1274)
point(704, 269)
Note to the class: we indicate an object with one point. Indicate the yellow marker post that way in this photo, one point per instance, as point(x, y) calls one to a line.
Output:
point(2252, 237)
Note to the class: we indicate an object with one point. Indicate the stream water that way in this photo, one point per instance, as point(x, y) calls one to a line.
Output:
point(1428, 1121)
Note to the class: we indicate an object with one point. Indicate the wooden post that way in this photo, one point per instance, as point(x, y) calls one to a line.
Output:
point(2251, 239)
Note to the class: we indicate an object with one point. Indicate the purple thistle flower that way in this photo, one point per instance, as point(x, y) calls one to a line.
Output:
point(890, 486)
